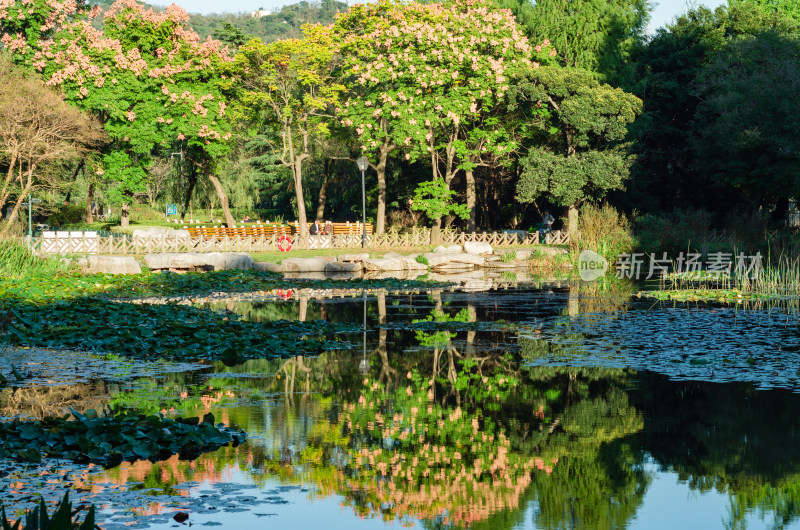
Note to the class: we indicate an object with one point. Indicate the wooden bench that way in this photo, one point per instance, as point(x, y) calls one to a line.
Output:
point(250, 230)
point(350, 229)
point(259, 230)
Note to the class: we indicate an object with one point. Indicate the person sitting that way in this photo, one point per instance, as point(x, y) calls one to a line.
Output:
point(315, 228)
point(246, 219)
point(328, 228)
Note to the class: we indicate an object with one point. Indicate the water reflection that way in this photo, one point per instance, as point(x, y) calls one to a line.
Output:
point(461, 420)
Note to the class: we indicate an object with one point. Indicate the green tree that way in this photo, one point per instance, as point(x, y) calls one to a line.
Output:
point(435, 199)
point(582, 157)
point(289, 86)
point(748, 122)
point(666, 175)
point(598, 35)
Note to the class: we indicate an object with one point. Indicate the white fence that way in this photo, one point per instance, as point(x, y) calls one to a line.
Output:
point(92, 243)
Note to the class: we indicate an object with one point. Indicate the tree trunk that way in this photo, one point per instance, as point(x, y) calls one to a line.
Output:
point(89, 201)
point(124, 216)
point(471, 196)
point(223, 200)
point(13, 216)
point(380, 170)
point(302, 220)
point(323, 194)
point(436, 232)
point(189, 191)
point(572, 219)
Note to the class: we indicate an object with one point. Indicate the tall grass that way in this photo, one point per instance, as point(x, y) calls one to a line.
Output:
point(605, 230)
point(17, 260)
point(779, 279)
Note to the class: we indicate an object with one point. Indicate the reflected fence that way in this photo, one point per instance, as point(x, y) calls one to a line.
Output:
point(93, 243)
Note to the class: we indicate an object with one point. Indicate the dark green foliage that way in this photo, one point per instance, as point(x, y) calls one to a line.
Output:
point(712, 57)
point(63, 518)
point(581, 157)
point(128, 436)
point(601, 36)
point(69, 214)
point(748, 121)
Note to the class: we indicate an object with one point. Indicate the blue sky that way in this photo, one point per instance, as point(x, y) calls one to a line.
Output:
point(664, 11)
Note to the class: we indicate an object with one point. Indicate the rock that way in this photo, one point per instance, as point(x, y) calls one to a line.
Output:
point(474, 247)
point(453, 266)
point(112, 265)
point(356, 258)
point(452, 249)
point(215, 261)
point(160, 232)
point(472, 259)
point(394, 262)
point(304, 264)
point(384, 265)
point(436, 259)
point(523, 255)
point(343, 266)
point(267, 266)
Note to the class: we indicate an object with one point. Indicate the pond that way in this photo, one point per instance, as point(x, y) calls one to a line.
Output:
point(555, 406)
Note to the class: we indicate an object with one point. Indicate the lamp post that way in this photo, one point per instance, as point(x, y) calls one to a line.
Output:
point(29, 205)
point(363, 164)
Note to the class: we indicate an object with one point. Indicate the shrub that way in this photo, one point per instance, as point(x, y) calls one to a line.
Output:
point(69, 214)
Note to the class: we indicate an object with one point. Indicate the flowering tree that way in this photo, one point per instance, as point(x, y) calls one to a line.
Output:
point(289, 85)
point(426, 75)
point(146, 75)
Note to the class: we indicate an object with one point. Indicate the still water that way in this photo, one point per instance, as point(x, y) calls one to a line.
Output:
point(553, 407)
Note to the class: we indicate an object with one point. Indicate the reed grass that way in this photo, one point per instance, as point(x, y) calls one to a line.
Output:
point(779, 279)
point(17, 260)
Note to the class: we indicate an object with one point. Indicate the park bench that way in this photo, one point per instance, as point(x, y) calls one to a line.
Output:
point(350, 229)
point(250, 230)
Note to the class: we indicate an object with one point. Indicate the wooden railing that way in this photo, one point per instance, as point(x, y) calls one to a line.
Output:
point(91, 243)
point(269, 229)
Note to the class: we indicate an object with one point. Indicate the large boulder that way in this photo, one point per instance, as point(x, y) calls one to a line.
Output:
point(267, 266)
point(112, 265)
point(451, 249)
point(393, 262)
point(304, 265)
point(334, 267)
point(436, 259)
point(472, 259)
point(213, 261)
point(475, 247)
point(159, 232)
